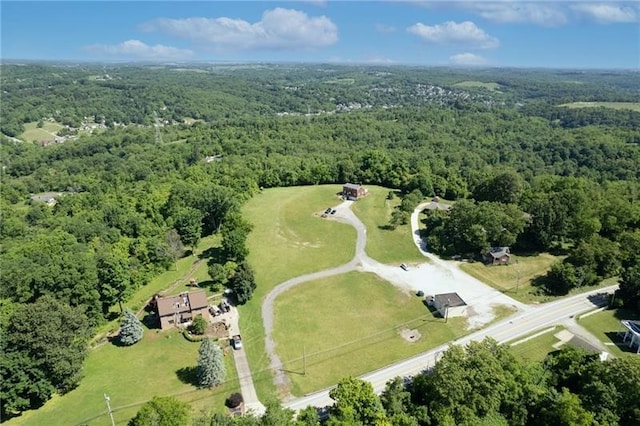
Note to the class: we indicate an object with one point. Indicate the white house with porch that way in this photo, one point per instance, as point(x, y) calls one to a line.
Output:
point(632, 335)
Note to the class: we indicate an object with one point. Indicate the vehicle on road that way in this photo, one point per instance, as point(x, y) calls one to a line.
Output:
point(236, 342)
point(404, 267)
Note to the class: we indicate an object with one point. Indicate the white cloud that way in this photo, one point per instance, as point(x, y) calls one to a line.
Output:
point(465, 33)
point(138, 50)
point(607, 12)
point(467, 59)
point(278, 29)
point(507, 12)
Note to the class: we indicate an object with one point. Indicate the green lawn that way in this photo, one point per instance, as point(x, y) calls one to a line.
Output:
point(476, 84)
point(516, 278)
point(605, 325)
point(537, 348)
point(349, 325)
point(289, 238)
point(131, 376)
point(633, 106)
point(33, 133)
point(385, 245)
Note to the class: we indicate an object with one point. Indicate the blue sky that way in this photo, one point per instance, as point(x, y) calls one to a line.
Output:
point(569, 34)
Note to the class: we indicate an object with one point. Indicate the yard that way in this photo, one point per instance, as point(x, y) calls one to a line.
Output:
point(385, 245)
point(605, 325)
point(157, 365)
point(538, 347)
point(516, 278)
point(351, 324)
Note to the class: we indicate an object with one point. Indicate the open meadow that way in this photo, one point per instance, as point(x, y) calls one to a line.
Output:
point(33, 133)
point(289, 238)
point(633, 106)
point(351, 324)
point(385, 245)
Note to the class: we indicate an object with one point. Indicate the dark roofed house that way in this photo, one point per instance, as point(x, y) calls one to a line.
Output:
point(181, 308)
point(351, 191)
point(497, 256)
point(450, 305)
point(435, 204)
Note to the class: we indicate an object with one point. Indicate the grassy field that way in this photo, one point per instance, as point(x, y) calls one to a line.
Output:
point(131, 376)
point(385, 245)
point(33, 133)
point(289, 238)
point(605, 325)
point(538, 347)
point(350, 326)
point(633, 106)
point(477, 84)
point(516, 278)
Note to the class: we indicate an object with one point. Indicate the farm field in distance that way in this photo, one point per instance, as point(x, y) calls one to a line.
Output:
point(633, 106)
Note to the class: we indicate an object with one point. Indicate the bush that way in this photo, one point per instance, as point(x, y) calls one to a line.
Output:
point(420, 293)
point(199, 325)
point(234, 400)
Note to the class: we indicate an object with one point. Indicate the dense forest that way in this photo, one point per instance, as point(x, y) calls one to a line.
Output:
point(526, 172)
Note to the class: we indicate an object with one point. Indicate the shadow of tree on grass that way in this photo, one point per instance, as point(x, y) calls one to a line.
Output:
point(188, 375)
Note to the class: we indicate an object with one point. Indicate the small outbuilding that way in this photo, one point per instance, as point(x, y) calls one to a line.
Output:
point(497, 256)
point(450, 305)
point(352, 191)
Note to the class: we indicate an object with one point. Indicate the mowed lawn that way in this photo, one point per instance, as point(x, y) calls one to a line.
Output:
point(605, 326)
point(131, 376)
point(633, 106)
point(384, 245)
point(349, 325)
point(537, 348)
point(289, 238)
point(516, 278)
point(33, 133)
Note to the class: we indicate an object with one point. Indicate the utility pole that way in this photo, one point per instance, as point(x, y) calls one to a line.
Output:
point(446, 310)
point(304, 362)
point(517, 276)
point(108, 400)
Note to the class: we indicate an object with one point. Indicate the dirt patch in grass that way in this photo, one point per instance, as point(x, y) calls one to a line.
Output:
point(410, 336)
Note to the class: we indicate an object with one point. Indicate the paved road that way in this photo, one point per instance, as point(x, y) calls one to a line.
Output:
point(511, 328)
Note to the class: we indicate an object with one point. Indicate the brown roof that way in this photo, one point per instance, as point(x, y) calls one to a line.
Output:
point(183, 302)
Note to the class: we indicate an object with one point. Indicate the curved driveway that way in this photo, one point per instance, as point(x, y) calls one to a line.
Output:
point(434, 277)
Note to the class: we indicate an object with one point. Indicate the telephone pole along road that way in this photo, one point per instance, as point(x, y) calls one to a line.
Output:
point(511, 328)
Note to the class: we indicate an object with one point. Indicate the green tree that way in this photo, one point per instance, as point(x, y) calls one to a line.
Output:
point(162, 411)
point(355, 402)
point(131, 330)
point(221, 274)
point(188, 223)
point(565, 409)
point(210, 370)
point(44, 347)
point(629, 290)
point(199, 325)
point(243, 283)
point(114, 277)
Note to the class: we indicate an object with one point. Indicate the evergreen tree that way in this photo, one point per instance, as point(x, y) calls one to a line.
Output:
point(211, 371)
point(131, 330)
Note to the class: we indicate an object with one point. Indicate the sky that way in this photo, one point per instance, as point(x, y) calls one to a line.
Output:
point(492, 33)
